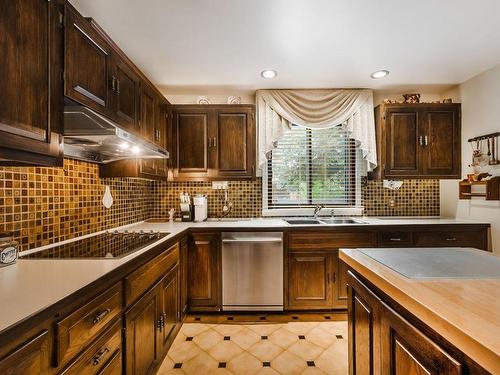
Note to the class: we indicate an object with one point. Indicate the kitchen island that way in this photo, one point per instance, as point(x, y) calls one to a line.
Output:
point(423, 310)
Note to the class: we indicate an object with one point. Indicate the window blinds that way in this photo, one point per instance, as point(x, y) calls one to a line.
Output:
point(312, 166)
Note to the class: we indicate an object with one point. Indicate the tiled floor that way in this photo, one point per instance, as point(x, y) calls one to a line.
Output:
point(286, 348)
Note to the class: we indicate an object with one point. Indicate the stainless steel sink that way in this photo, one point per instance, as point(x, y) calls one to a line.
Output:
point(341, 221)
point(302, 221)
point(332, 221)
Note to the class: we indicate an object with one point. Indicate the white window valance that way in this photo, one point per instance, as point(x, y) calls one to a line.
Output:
point(316, 109)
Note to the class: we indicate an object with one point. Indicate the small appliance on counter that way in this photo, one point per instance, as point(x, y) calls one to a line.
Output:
point(186, 207)
point(8, 249)
point(200, 208)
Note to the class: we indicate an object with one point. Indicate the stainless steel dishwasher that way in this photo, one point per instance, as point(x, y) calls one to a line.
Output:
point(252, 271)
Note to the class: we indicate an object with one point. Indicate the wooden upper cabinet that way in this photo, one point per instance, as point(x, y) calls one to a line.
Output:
point(30, 69)
point(418, 140)
point(191, 143)
point(204, 282)
point(87, 65)
point(441, 129)
point(125, 88)
point(234, 142)
point(402, 156)
point(148, 112)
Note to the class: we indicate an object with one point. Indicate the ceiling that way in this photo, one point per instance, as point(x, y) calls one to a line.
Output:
point(183, 44)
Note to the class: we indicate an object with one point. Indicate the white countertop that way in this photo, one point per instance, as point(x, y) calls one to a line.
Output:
point(32, 285)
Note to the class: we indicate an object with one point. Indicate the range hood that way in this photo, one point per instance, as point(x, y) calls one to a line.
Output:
point(91, 137)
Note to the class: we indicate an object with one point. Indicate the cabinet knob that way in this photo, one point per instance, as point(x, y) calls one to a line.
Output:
point(99, 356)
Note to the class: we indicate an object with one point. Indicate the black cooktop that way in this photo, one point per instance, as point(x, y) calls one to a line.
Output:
point(109, 245)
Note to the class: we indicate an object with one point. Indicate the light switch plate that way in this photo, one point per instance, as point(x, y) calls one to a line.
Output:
point(219, 185)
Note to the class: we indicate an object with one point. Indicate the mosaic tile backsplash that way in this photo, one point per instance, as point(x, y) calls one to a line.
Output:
point(46, 205)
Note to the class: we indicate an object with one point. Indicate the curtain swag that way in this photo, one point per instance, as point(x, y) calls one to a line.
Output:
point(316, 109)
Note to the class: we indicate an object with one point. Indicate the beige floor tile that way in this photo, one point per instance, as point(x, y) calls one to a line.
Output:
point(201, 364)
point(228, 329)
point(172, 371)
point(225, 351)
point(264, 329)
point(321, 337)
point(336, 328)
point(333, 362)
point(208, 339)
point(265, 350)
point(306, 350)
point(313, 371)
point(244, 364)
point(193, 329)
point(283, 337)
point(183, 351)
point(301, 328)
point(219, 371)
point(167, 366)
point(267, 371)
point(288, 364)
point(245, 338)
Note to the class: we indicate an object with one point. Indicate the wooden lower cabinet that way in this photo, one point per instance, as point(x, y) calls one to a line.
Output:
point(142, 332)
point(383, 342)
point(149, 325)
point(310, 280)
point(184, 278)
point(31, 358)
point(204, 278)
point(339, 283)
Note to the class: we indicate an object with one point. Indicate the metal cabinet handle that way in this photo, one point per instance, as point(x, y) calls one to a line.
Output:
point(421, 140)
point(100, 316)
point(426, 140)
point(215, 142)
point(451, 239)
point(118, 87)
point(99, 356)
point(113, 84)
point(395, 239)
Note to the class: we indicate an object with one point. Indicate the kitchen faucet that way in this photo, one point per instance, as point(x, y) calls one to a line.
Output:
point(317, 209)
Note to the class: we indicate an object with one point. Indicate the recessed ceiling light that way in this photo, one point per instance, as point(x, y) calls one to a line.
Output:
point(379, 74)
point(268, 73)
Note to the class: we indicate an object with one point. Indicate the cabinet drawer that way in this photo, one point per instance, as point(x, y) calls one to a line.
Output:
point(79, 328)
point(396, 239)
point(100, 354)
point(145, 276)
point(450, 238)
point(329, 240)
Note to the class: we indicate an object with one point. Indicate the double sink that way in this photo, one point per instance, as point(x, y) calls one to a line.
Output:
point(326, 221)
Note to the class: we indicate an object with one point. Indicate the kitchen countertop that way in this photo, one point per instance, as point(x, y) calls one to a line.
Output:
point(32, 285)
point(466, 312)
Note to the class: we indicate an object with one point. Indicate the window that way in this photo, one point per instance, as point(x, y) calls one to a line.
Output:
point(312, 167)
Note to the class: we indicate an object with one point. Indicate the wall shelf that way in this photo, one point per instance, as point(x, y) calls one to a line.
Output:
point(491, 189)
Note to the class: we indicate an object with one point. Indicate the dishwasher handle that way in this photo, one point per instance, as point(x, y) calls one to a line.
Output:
point(252, 240)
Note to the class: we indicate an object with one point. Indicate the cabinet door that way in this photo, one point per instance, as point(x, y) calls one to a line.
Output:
point(184, 277)
point(407, 351)
point(31, 104)
point(169, 312)
point(310, 280)
point(364, 310)
point(233, 143)
point(440, 129)
point(339, 283)
point(87, 64)
point(204, 275)
point(191, 142)
point(148, 113)
point(401, 145)
point(142, 326)
point(125, 85)
point(31, 358)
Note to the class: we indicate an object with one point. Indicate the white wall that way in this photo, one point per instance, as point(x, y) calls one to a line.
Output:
point(480, 97)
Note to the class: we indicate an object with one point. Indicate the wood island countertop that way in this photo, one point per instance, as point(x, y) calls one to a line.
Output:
point(464, 311)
